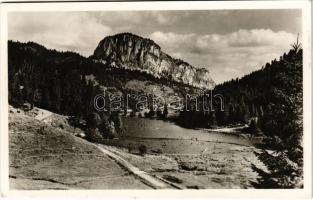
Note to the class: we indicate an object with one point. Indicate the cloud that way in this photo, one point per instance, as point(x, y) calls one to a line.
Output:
point(198, 37)
point(63, 31)
point(227, 55)
point(133, 18)
point(117, 17)
point(79, 31)
point(165, 18)
point(258, 37)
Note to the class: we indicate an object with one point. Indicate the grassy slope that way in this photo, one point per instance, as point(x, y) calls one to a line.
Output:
point(46, 157)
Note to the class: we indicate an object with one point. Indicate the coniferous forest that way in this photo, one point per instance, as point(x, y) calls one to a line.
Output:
point(270, 102)
point(66, 83)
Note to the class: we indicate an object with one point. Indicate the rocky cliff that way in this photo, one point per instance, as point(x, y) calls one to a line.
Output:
point(132, 52)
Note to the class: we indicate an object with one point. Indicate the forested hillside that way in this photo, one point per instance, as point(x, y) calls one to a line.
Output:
point(65, 82)
point(253, 95)
point(270, 101)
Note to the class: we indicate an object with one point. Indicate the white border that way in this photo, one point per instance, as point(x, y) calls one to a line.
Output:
point(103, 6)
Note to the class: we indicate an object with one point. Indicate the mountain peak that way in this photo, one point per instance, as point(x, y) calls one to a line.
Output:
point(133, 52)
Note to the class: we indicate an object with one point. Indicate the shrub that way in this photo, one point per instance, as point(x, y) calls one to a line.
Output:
point(253, 127)
point(61, 126)
point(132, 113)
point(94, 135)
point(142, 149)
point(104, 127)
point(159, 112)
point(41, 130)
point(93, 120)
point(118, 123)
point(129, 148)
point(165, 112)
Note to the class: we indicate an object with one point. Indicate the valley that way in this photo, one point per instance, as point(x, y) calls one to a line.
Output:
point(60, 139)
point(46, 154)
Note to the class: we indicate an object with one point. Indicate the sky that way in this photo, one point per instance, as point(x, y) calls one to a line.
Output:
point(229, 43)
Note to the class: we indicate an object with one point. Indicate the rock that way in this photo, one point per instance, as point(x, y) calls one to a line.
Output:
point(172, 179)
point(187, 166)
point(193, 187)
point(200, 173)
point(81, 135)
point(26, 106)
point(158, 151)
point(129, 51)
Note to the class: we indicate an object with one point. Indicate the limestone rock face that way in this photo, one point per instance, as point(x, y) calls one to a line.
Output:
point(132, 52)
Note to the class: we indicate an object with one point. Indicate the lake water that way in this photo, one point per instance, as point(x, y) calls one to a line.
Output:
point(144, 128)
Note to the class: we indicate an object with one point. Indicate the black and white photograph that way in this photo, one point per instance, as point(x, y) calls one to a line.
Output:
point(180, 98)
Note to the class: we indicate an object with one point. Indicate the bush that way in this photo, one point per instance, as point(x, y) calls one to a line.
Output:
point(118, 123)
point(104, 127)
point(61, 126)
point(165, 112)
point(151, 113)
point(159, 112)
point(93, 135)
point(41, 130)
point(132, 113)
point(93, 120)
point(142, 149)
point(129, 148)
point(253, 127)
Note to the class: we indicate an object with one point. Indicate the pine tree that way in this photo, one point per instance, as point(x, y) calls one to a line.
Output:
point(283, 122)
point(165, 112)
point(118, 123)
point(231, 115)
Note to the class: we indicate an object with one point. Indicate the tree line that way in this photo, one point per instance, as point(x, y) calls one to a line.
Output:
point(66, 83)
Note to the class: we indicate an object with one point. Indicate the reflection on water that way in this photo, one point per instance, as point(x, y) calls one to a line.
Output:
point(153, 128)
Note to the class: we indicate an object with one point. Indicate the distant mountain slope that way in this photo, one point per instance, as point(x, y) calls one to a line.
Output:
point(65, 81)
point(129, 51)
point(277, 84)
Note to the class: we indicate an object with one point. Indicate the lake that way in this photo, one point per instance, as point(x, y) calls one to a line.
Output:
point(145, 128)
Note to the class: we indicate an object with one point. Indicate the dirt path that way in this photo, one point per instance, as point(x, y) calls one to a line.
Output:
point(203, 165)
point(145, 177)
